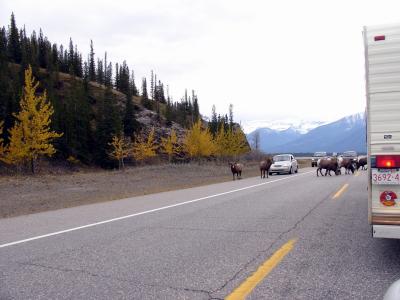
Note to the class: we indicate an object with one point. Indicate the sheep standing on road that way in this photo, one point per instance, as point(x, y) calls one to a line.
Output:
point(348, 165)
point(328, 164)
point(236, 169)
point(264, 166)
point(362, 162)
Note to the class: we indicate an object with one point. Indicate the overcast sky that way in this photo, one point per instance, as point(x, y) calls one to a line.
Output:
point(270, 59)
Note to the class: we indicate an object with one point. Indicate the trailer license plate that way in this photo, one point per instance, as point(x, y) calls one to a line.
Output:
point(385, 176)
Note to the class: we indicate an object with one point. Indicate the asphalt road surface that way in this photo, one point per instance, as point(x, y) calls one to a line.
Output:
point(286, 237)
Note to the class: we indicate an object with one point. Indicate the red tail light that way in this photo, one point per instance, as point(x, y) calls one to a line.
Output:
point(388, 161)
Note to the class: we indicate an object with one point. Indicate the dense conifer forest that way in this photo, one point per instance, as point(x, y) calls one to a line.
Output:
point(74, 115)
point(94, 100)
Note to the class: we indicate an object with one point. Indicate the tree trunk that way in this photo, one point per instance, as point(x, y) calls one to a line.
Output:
point(32, 166)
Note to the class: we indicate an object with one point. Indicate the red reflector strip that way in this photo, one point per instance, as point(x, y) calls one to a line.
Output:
point(388, 161)
point(379, 38)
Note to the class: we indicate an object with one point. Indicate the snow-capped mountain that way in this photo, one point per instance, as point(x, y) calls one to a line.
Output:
point(300, 126)
point(353, 119)
point(347, 133)
point(268, 138)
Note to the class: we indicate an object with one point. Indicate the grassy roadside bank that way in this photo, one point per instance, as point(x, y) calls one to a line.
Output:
point(22, 195)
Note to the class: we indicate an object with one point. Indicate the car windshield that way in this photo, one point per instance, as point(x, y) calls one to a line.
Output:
point(281, 158)
point(350, 154)
point(320, 154)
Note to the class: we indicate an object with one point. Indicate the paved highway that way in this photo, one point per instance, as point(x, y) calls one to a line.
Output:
point(286, 237)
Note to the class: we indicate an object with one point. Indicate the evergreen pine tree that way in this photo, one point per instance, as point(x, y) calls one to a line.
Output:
point(108, 76)
point(5, 82)
point(75, 123)
point(130, 123)
point(92, 67)
point(226, 122)
point(108, 125)
point(220, 122)
point(66, 61)
point(169, 112)
point(61, 58)
point(231, 116)
point(85, 72)
point(14, 46)
point(33, 53)
point(71, 68)
point(116, 85)
point(196, 112)
point(3, 45)
point(162, 93)
point(54, 57)
point(42, 50)
point(105, 68)
point(144, 89)
point(146, 102)
point(2, 147)
point(132, 85)
point(10, 93)
point(155, 89)
point(78, 71)
point(152, 85)
point(123, 83)
point(213, 125)
point(25, 50)
point(100, 72)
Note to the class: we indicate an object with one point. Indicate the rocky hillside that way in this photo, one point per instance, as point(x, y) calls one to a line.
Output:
point(146, 118)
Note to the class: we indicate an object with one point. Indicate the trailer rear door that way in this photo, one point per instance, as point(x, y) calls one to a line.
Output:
point(382, 56)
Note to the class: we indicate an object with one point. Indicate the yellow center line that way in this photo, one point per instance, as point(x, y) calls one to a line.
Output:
point(246, 287)
point(339, 192)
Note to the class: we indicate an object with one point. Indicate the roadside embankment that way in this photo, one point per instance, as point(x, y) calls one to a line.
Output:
point(30, 194)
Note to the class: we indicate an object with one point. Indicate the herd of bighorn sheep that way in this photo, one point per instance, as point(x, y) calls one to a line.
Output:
point(328, 164)
point(336, 164)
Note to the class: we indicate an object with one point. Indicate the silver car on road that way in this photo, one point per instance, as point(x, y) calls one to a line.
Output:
point(284, 163)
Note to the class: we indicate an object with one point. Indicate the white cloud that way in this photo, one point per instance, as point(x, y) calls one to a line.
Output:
point(271, 59)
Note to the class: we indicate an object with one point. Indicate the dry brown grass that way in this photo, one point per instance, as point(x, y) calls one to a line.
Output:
point(304, 163)
point(30, 194)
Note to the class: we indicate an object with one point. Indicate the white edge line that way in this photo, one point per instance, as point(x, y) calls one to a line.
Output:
point(145, 212)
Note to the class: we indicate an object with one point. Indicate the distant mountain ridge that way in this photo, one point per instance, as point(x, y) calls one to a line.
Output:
point(301, 126)
point(348, 133)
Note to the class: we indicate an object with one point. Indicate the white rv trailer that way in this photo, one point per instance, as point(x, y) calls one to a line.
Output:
point(382, 63)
